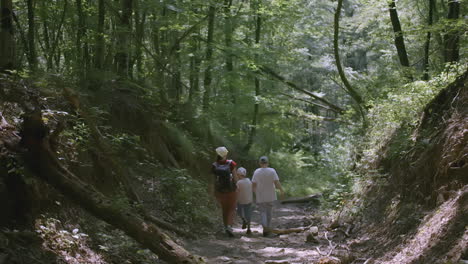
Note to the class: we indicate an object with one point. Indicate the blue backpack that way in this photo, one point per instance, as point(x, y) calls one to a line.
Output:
point(224, 181)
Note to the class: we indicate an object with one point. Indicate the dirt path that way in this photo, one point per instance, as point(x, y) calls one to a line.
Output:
point(254, 248)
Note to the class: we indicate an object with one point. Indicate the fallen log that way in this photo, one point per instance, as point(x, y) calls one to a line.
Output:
point(289, 230)
point(167, 226)
point(310, 198)
point(41, 160)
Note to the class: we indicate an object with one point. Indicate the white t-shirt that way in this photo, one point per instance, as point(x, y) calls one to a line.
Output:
point(265, 178)
point(245, 195)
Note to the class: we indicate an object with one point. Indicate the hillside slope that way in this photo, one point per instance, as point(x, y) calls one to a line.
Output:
point(415, 210)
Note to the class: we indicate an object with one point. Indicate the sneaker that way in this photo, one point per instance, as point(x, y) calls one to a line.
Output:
point(268, 234)
point(244, 224)
point(228, 231)
point(249, 232)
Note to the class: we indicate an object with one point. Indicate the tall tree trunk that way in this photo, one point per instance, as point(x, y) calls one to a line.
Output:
point(208, 58)
point(7, 43)
point(46, 50)
point(176, 82)
point(349, 89)
point(140, 21)
point(194, 78)
point(399, 40)
point(32, 56)
point(452, 37)
point(428, 40)
point(123, 39)
point(228, 31)
point(253, 128)
point(99, 49)
point(81, 46)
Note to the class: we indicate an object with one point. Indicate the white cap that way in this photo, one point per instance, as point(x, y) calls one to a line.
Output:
point(222, 152)
point(242, 171)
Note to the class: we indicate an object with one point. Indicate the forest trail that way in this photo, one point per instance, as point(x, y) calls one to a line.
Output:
point(286, 249)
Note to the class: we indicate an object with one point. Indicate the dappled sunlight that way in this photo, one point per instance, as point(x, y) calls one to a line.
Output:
point(429, 232)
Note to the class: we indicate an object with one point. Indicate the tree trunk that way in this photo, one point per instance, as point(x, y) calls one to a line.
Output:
point(7, 43)
point(194, 77)
point(253, 128)
point(208, 58)
point(228, 31)
point(46, 49)
point(32, 56)
point(124, 30)
point(99, 49)
point(399, 40)
point(80, 45)
point(452, 37)
point(428, 40)
point(353, 93)
point(43, 162)
point(140, 21)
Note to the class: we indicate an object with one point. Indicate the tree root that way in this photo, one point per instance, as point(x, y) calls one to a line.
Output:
point(42, 161)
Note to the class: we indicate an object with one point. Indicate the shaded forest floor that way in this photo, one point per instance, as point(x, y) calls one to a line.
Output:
point(287, 248)
point(440, 236)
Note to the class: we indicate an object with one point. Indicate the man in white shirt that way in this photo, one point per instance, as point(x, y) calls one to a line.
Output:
point(264, 181)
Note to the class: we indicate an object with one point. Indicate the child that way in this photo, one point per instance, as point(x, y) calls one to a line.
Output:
point(244, 198)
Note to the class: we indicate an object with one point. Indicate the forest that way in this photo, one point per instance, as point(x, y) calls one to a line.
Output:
point(116, 117)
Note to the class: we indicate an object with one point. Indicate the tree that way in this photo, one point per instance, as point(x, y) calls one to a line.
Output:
point(398, 38)
point(349, 89)
point(32, 56)
point(253, 128)
point(428, 40)
point(452, 37)
point(228, 31)
point(208, 58)
point(99, 46)
point(7, 44)
point(81, 46)
point(124, 30)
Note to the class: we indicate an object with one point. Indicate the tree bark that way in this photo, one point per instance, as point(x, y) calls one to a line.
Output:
point(399, 40)
point(194, 77)
point(451, 39)
point(253, 128)
point(428, 40)
point(228, 31)
point(123, 39)
point(208, 58)
point(270, 72)
point(349, 89)
point(43, 162)
point(99, 48)
point(7, 43)
point(140, 21)
point(32, 56)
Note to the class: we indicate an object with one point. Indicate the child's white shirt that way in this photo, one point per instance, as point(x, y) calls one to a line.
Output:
point(245, 195)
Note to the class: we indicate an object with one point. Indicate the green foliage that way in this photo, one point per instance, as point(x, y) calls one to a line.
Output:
point(400, 110)
point(185, 197)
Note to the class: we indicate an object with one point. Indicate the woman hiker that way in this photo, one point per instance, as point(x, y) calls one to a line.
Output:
point(225, 174)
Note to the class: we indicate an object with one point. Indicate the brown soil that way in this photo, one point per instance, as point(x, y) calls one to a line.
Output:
point(288, 248)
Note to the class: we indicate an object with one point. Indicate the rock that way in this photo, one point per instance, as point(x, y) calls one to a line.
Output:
point(329, 260)
point(277, 262)
point(310, 238)
point(311, 235)
point(314, 230)
point(334, 224)
point(344, 256)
